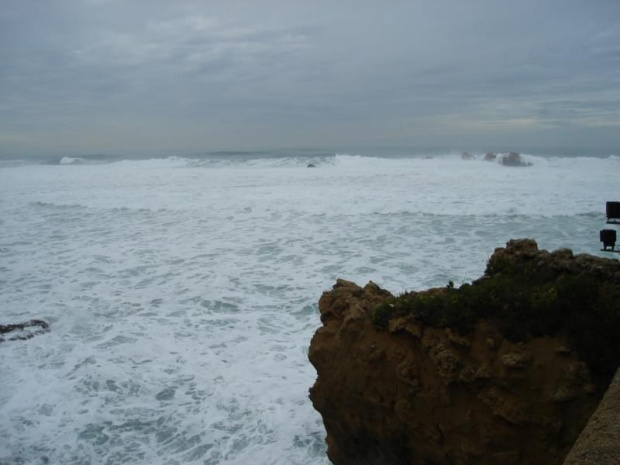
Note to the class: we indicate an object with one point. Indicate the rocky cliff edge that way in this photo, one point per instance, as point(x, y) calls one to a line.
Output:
point(507, 369)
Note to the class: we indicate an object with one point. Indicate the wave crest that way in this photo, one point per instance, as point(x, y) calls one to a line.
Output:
point(71, 161)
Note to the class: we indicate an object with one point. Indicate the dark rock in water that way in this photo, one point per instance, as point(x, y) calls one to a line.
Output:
point(513, 159)
point(310, 165)
point(506, 159)
point(23, 331)
point(466, 156)
point(506, 369)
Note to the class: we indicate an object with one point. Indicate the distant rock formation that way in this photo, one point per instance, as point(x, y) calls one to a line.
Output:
point(514, 159)
point(310, 165)
point(506, 370)
point(466, 156)
point(23, 331)
point(506, 159)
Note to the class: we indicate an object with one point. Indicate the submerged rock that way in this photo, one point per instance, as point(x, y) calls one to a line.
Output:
point(23, 331)
point(505, 370)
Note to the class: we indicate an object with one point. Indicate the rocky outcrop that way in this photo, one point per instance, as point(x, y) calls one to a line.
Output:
point(459, 375)
point(23, 331)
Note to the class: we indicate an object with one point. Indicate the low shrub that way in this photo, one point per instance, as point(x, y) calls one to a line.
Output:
point(522, 301)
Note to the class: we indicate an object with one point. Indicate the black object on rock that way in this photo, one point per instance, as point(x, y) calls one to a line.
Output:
point(613, 212)
point(608, 238)
point(23, 331)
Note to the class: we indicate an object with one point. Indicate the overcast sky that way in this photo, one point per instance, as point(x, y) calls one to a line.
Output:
point(141, 75)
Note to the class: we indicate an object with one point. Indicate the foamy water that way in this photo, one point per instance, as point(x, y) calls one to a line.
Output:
point(182, 293)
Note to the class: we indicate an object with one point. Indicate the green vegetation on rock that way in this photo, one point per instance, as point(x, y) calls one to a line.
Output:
point(523, 297)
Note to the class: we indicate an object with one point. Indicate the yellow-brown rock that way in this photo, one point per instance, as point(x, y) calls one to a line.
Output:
point(412, 393)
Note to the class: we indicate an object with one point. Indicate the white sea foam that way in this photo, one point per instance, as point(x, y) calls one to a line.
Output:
point(71, 161)
point(182, 292)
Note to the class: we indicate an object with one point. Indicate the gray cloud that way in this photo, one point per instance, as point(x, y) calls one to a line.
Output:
point(111, 75)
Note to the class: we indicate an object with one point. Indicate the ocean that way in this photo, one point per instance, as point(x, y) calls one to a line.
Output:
point(182, 292)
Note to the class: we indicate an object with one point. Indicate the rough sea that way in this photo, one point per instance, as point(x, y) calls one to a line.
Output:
point(181, 292)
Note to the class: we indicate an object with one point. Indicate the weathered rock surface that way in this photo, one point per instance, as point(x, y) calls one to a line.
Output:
point(407, 392)
point(599, 443)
